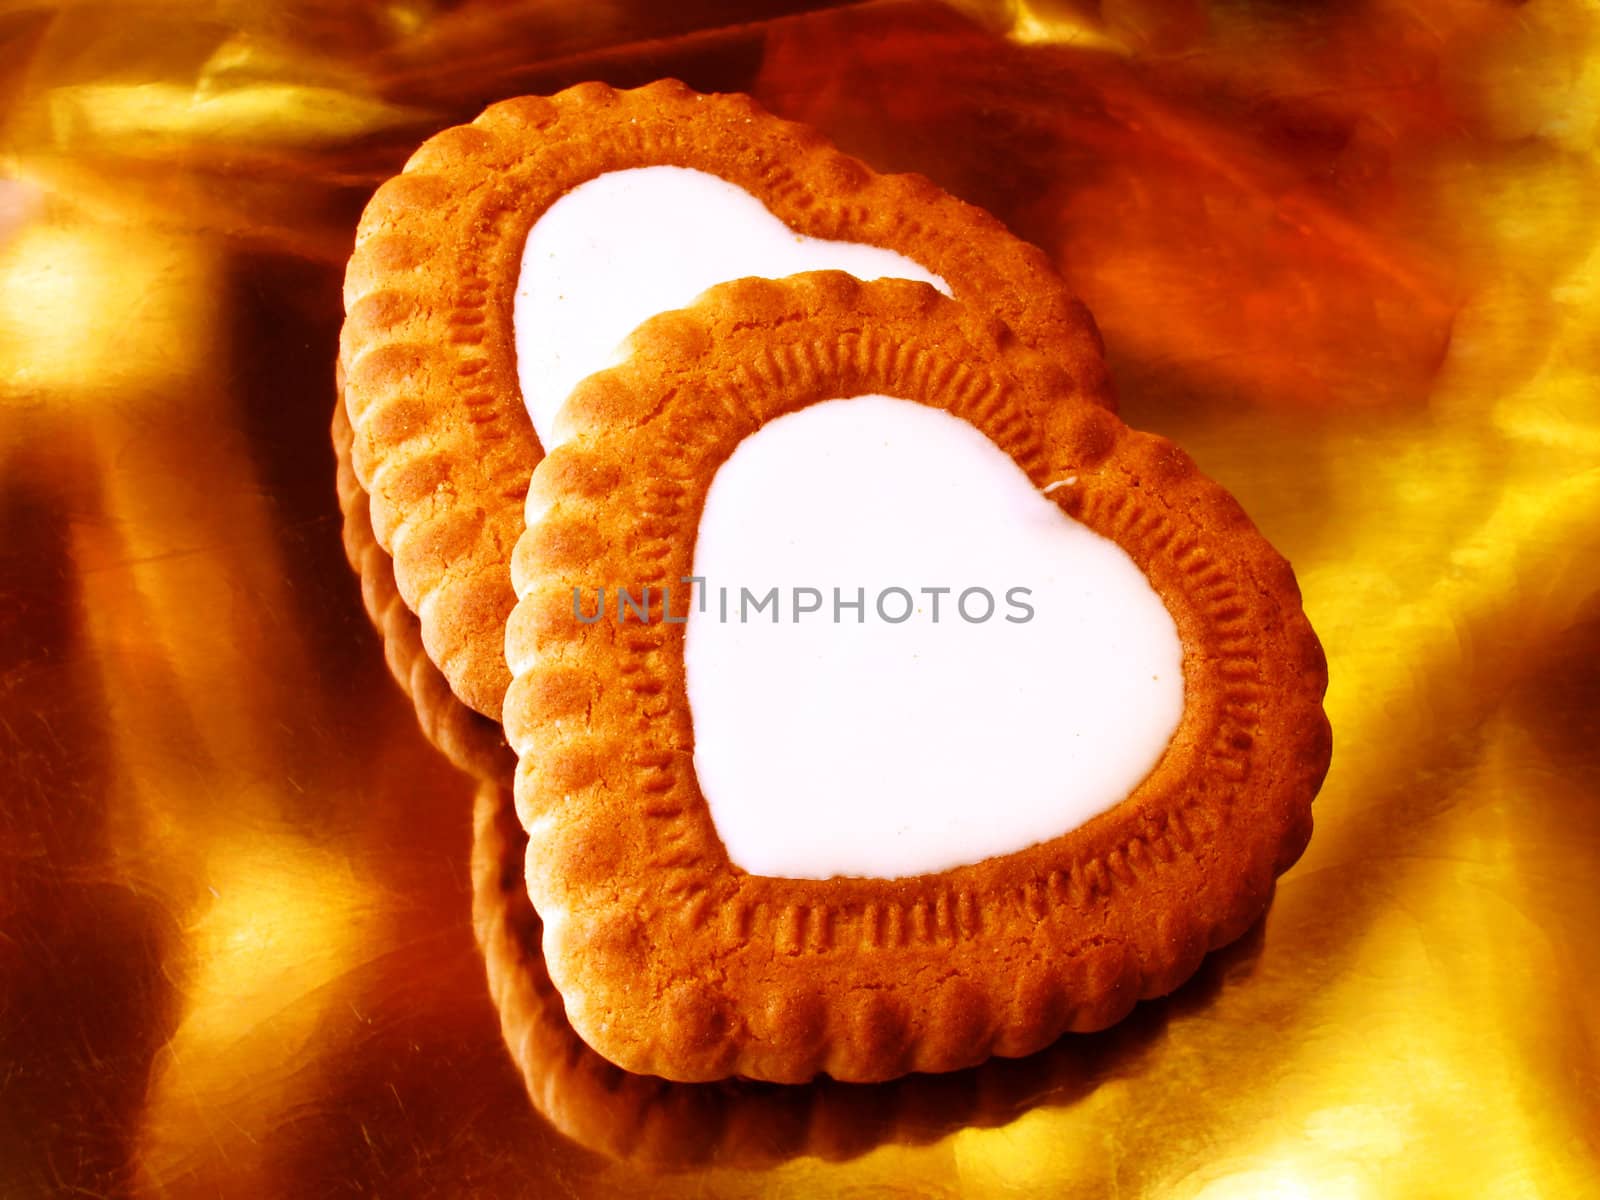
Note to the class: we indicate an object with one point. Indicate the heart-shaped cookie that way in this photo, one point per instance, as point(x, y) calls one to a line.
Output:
point(644, 1120)
point(512, 255)
point(864, 947)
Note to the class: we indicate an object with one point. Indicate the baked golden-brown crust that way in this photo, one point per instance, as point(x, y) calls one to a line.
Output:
point(473, 743)
point(733, 1123)
point(674, 962)
point(443, 444)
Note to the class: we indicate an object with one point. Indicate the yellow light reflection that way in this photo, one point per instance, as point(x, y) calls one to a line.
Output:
point(284, 919)
point(88, 309)
point(1294, 1180)
point(285, 922)
point(260, 114)
point(1049, 1152)
point(1030, 28)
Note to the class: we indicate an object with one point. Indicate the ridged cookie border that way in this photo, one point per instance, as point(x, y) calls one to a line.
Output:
point(442, 443)
point(674, 962)
point(471, 742)
point(670, 1126)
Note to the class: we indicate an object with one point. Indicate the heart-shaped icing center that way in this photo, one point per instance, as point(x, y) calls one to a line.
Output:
point(626, 245)
point(902, 658)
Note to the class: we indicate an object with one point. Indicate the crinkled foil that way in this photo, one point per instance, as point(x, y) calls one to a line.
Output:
point(258, 937)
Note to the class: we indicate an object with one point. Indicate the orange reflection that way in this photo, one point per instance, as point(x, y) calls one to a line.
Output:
point(1259, 206)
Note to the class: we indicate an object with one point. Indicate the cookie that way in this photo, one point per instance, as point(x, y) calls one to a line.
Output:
point(1033, 852)
point(514, 253)
point(638, 1118)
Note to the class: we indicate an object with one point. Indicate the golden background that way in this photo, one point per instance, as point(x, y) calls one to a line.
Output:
point(1348, 254)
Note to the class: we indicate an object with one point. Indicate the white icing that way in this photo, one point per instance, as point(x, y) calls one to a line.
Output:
point(622, 247)
point(880, 749)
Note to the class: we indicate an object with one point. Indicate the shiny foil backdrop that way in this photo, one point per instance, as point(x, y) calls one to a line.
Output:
point(260, 933)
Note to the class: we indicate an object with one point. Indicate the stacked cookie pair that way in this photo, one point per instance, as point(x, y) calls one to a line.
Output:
point(881, 702)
